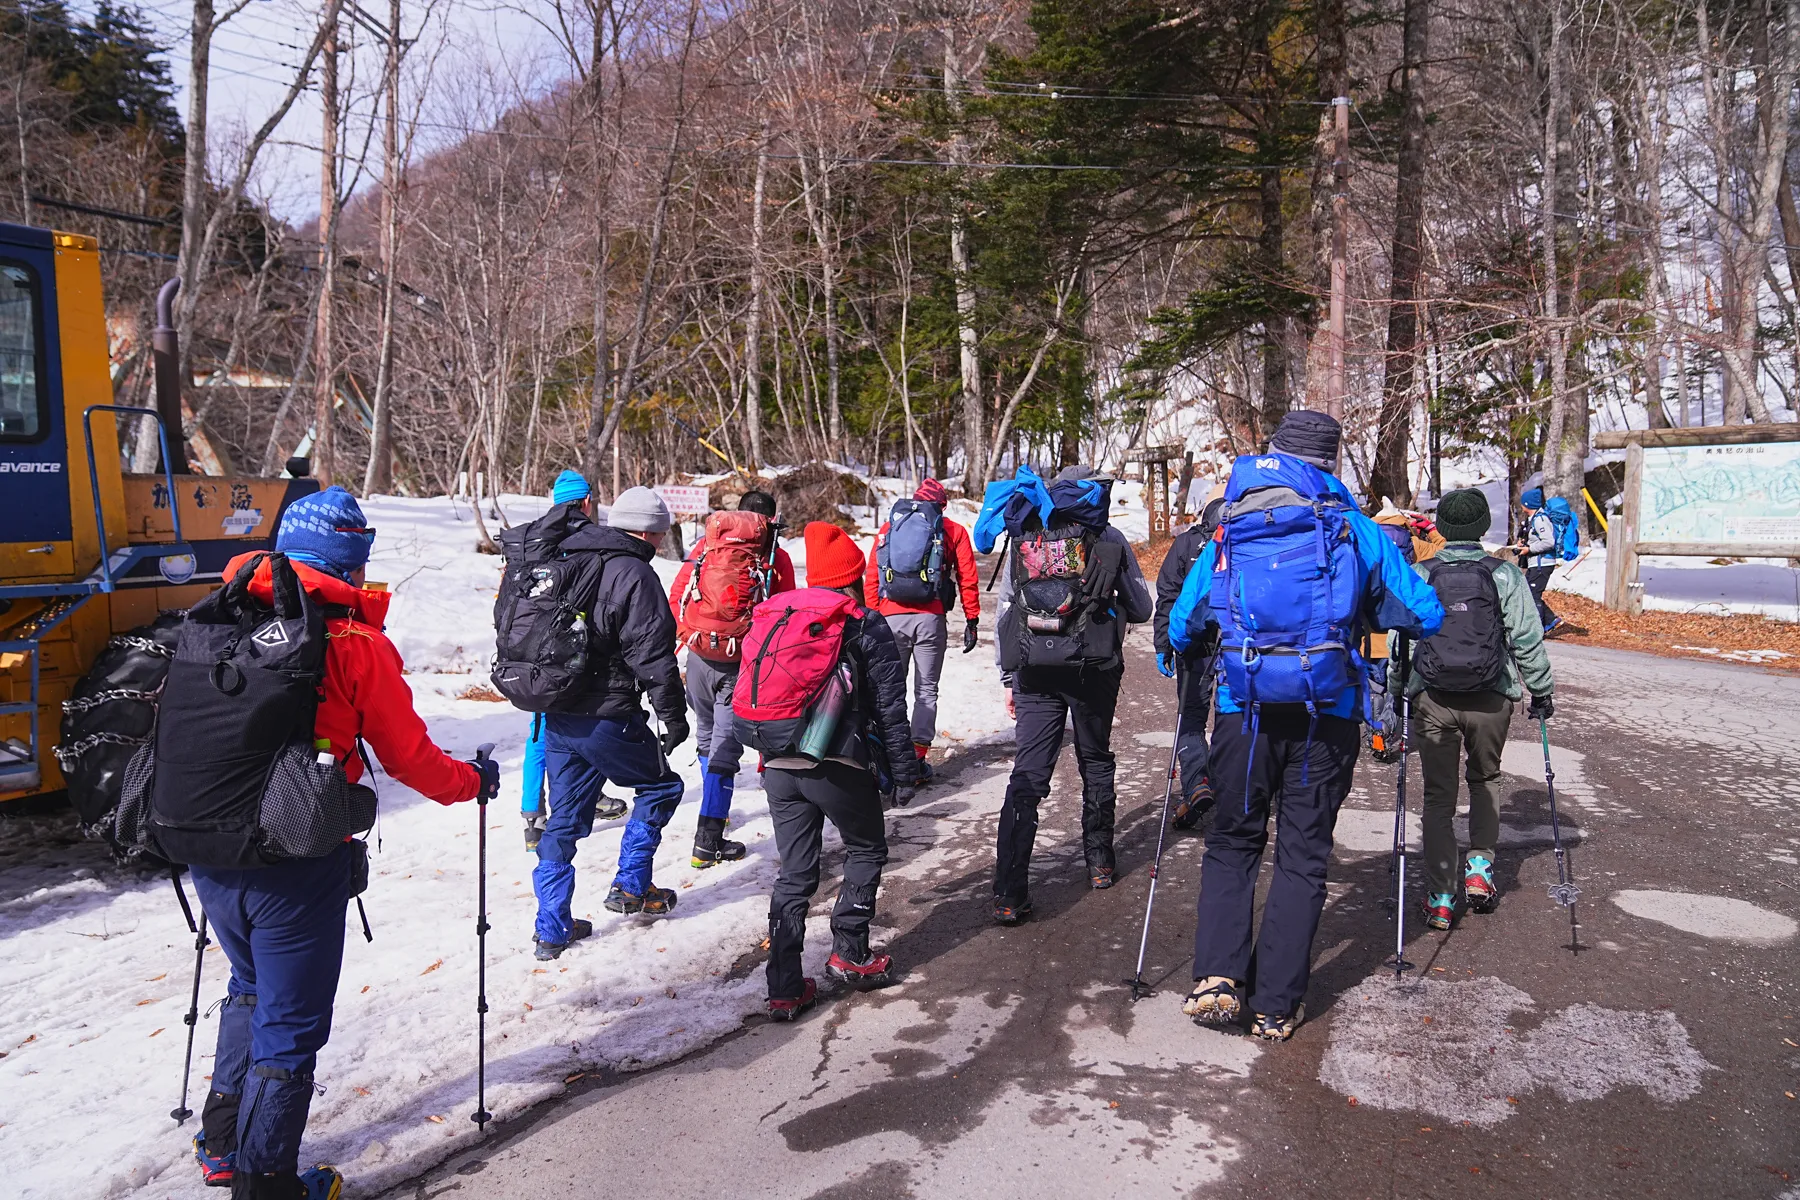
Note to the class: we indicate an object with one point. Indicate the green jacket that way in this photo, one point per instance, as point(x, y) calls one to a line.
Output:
point(1524, 632)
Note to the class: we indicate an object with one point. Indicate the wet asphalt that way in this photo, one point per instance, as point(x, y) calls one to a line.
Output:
point(1525, 1055)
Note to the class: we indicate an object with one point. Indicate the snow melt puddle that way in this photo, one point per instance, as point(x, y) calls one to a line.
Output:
point(1718, 917)
point(1451, 1049)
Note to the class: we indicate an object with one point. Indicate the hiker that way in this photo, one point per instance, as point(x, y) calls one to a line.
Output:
point(583, 629)
point(1547, 538)
point(1289, 698)
point(823, 699)
point(1069, 587)
point(920, 562)
point(1412, 533)
point(281, 924)
point(735, 566)
point(1462, 686)
point(1191, 671)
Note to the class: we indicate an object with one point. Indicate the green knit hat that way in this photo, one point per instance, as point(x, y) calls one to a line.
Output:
point(1463, 516)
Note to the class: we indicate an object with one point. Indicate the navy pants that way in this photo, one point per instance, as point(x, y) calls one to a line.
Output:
point(581, 754)
point(1304, 780)
point(1194, 693)
point(800, 802)
point(282, 928)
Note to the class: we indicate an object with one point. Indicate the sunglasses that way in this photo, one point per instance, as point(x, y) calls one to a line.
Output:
point(367, 531)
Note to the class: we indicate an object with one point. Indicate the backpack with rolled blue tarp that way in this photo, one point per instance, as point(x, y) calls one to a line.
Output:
point(1059, 569)
point(1562, 519)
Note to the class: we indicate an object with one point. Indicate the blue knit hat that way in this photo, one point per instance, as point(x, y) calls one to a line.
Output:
point(569, 486)
point(1532, 497)
point(326, 530)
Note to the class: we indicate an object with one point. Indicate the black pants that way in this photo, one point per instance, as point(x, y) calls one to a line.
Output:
point(1539, 579)
point(1043, 700)
point(1304, 780)
point(800, 802)
point(1194, 694)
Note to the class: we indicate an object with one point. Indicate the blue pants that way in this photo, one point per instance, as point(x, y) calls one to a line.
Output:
point(1304, 779)
point(1194, 693)
point(581, 754)
point(282, 927)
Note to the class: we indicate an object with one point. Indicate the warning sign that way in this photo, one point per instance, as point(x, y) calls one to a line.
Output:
point(685, 501)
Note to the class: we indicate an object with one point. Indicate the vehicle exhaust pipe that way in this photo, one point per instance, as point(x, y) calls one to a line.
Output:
point(165, 352)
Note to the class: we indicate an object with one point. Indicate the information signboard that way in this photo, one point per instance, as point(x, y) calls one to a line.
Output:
point(1744, 496)
point(685, 501)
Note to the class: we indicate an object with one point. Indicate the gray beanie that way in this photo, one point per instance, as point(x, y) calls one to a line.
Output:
point(1079, 473)
point(639, 510)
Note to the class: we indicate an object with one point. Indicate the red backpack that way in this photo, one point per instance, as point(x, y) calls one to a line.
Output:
point(795, 643)
point(730, 578)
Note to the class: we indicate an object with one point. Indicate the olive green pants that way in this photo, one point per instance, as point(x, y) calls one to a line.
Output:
point(1446, 727)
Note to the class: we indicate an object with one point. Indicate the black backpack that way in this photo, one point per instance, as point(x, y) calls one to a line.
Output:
point(1469, 653)
point(542, 648)
point(1063, 578)
point(231, 777)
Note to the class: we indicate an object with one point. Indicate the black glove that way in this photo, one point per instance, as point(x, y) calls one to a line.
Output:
point(674, 733)
point(1542, 708)
point(489, 770)
point(969, 634)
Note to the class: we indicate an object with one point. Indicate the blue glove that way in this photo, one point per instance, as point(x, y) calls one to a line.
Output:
point(1165, 663)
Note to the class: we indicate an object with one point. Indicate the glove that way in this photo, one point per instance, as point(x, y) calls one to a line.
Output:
point(534, 829)
point(969, 634)
point(1542, 708)
point(489, 770)
point(1165, 663)
point(674, 733)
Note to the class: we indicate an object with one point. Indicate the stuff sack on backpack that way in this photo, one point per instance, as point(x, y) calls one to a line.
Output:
point(910, 561)
point(1469, 653)
point(233, 779)
point(1287, 588)
point(1562, 520)
point(793, 648)
point(541, 632)
point(730, 578)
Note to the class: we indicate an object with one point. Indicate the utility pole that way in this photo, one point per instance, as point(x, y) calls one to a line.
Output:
point(1340, 250)
point(379, 476)
point(324, 388)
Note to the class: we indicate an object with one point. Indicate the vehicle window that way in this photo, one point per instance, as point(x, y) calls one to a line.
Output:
point(21, 400)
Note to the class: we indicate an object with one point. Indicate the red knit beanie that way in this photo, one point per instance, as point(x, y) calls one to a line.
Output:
point(931, 492)
point(832, 557)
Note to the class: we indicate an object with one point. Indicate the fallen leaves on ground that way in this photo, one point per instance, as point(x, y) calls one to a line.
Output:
point(1678, 635)
point(434, 966)
point(480, 691)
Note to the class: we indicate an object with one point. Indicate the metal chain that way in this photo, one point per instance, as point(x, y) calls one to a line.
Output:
point(65, 755)
point(125, 641)
point(84, 703)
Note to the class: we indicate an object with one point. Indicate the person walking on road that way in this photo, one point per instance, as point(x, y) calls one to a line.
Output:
point(1540, 549)
point(1191, 671)
point(1296, 577)
point(282, 926)
point(1070, 585)
point(823, 699)
point(921, 562)
point(734, 566)
point(1463, 685)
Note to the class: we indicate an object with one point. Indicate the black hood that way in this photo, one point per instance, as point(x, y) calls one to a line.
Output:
point(606, 540)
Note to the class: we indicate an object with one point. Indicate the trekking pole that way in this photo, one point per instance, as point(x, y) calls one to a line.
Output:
point(1397, 867)
point(1563, 891)
point(181, 1112)
point(481, 1116)
point(1140, 989)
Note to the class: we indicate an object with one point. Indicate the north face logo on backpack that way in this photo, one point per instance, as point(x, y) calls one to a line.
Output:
point(1460, 606)
point(272, 636)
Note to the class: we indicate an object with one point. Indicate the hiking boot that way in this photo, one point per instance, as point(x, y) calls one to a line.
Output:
point(655, 902)
point(1478, 885)
point(1277, 1029)
point(1440, 910)
point(787, 1010)
point(1214, 1001)
point(1008, 913)
point(609, 808)
point(926, 771)
point(215, 1169)
point(870, 974)
point(1191, 810)
point(320, 1183)
point(578, 929)
point(712, 847)
point(1556, 628)
point(1100, 878)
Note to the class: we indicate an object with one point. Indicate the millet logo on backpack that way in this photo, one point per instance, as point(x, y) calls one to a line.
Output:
point(272, 636)
point(1268, 464)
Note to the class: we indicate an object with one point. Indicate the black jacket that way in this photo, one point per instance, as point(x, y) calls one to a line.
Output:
point(1184, 551)
point(883, 732)
point(634, 631)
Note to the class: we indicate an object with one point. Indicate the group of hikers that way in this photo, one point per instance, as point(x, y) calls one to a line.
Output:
point(1269, 616)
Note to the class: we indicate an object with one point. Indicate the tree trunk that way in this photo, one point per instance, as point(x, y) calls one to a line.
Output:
point(1333, 80)
point(753, 319)
point(974, 411)
point(1550, 232)
point(324, 373)
point(1400, 370)
point(379, 475)
point(1275, 400)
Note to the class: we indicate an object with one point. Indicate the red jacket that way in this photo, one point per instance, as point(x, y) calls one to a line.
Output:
point(366, 695)
point(784, 575)
point(959, 557)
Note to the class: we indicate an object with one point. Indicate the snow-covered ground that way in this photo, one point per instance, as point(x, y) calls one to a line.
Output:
point(97, 965)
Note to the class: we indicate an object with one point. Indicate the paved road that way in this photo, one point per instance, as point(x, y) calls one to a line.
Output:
point(1659, 1058)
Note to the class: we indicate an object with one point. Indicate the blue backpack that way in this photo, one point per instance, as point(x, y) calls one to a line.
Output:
point(1562, 519)
point(1287, 588)
point(910, 562)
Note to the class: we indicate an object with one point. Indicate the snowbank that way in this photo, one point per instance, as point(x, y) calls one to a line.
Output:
point(1755, 587)
point(97, 965)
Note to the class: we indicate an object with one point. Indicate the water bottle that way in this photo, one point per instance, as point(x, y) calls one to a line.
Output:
point(827, 711)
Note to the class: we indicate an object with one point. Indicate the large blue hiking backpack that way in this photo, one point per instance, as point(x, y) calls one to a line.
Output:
point(910, 561)
point(1287, 588)
point(1562, 519)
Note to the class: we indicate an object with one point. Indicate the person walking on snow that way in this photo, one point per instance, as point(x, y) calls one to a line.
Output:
point(1290, 695)
point(282, 926)
point(826, 758)
point(1191, 671)
point(1540, 549)
point(1463, 685)
point(921, 561)
point(602, 734)
point(749, 569)
point(1070, 585)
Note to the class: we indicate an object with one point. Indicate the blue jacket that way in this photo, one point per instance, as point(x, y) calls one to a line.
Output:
point(1396, 599)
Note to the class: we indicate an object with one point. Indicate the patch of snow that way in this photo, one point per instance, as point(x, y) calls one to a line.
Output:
point(1743, 656)
point(1719, 917)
